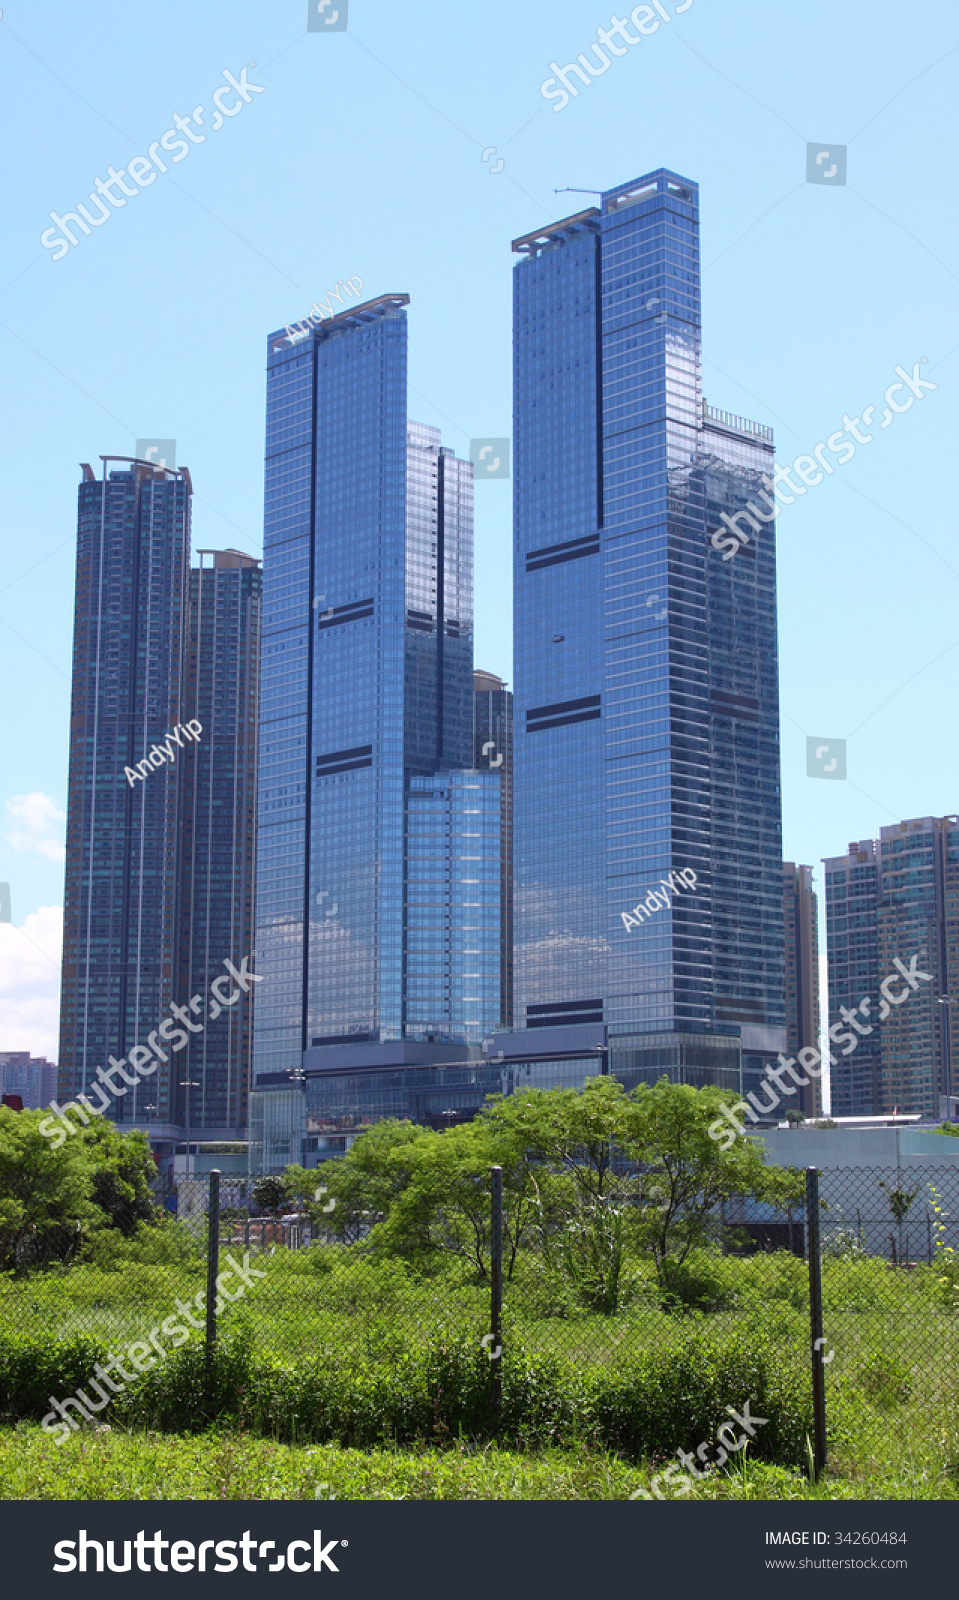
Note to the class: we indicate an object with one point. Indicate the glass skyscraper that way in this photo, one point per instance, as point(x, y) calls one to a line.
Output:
point(378, 888)
point(645, 676)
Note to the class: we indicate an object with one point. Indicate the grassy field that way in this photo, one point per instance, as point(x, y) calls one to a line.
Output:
point(119, 1466)
point(892, 1377)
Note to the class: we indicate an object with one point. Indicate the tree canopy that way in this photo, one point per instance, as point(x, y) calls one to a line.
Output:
point(53, 1198)
point(579, 1167)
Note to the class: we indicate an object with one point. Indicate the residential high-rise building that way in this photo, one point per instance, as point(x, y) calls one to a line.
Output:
point(33, 1078)
point(159, 872)
point(888, 900)
point(378, 877)
point(852, 964)
point(645, 669)
point(218, 833)
point(493, 749)
point(120, 896)
point(800, 914)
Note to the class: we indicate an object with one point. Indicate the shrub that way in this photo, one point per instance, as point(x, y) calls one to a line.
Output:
point(163, 1245)
point(32, 1370)
point(698, 1283)
point(886, 1381)
point(653, 1404)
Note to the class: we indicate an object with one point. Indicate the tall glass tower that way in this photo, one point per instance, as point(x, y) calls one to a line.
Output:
point(646, 737)
point(366, 904)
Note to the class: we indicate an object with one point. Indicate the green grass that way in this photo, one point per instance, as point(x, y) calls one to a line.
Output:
point(149, 1466)
point(892, 1385)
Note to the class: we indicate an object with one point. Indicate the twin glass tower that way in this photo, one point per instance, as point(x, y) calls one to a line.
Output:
point(646, 689)
point(378, 891)
point(646, 683)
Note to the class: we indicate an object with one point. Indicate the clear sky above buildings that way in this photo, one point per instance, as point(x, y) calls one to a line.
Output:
point(406, 151)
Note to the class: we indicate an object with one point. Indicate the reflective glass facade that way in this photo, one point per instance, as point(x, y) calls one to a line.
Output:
point(365, 930)
point(319, 1117)
point(852, 955)
point(451, 987)
point(645, 675)
point(493, 751)
point(801, 918)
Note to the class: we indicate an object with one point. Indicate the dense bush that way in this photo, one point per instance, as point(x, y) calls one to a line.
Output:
point(648, 1406)
point(31, 1370)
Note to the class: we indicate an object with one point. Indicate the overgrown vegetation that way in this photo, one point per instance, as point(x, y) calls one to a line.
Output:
point(54, 1200)
point(627, 1331)
point(235, 1466)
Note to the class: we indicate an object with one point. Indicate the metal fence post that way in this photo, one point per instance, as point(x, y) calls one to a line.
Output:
point(212, 1262)
point(816, 1340)
point(496, 1289)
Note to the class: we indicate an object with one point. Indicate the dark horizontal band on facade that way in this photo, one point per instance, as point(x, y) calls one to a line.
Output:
point(556, 1006)
point(361, 755)
point(561, 707)
point(723, 706)
point(556, 1020)
point(562, 722)
point(747, 700)
point(553, 554)
point(339, 1038)
point(345, 766)
point(349, 613)
point(564, 712)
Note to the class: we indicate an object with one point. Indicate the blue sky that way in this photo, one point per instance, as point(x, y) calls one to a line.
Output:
point(363, 157)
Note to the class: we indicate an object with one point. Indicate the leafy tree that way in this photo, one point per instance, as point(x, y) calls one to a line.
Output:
point(583, 1171)
point(900, 1204)
point(53, 1199)
point(444, 1204)
point(575, 1130)
point(685, 1175)
point(572, 1140)
point(124, 1170)
point(269, 1194)
point(367, 1183)
point(307, 1190)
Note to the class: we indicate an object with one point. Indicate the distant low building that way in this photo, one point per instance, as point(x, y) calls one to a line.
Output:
point(880, 1183)
point(33, 1078)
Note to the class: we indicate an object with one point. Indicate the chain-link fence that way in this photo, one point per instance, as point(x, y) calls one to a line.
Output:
point(836, 1322)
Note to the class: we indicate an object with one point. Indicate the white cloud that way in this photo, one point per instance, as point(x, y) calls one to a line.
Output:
point(30, 983)
point(36, 825)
